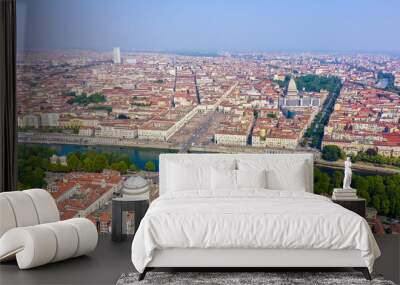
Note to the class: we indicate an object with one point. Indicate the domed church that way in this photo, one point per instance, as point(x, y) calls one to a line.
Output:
point(295, 99)
point(135, 186)
point(292, 91)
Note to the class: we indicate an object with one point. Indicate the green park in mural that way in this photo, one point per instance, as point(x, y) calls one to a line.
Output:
point(381, 192)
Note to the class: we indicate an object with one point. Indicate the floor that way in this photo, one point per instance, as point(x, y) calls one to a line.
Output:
point(110, 260)
point(103, 266)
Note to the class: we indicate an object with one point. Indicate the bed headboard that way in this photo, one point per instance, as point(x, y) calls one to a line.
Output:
point(165, 158)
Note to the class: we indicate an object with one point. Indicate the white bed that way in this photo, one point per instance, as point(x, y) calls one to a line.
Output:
point(280, 225)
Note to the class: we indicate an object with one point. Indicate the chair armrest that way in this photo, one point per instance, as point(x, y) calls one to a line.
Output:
point(40, 244)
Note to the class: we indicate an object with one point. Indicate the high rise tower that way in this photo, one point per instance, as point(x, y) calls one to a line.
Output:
point(117, 55)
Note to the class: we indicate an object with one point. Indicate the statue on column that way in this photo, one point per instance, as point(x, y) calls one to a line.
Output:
point(345, 193)
point(347, 174)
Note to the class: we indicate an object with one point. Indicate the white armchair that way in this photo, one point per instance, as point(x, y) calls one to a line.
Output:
point(31, 230)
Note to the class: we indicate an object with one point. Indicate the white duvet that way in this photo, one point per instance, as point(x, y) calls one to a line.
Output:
point(250, 219)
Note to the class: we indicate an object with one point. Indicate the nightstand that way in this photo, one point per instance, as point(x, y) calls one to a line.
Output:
point(138, 205)
point(356, 205)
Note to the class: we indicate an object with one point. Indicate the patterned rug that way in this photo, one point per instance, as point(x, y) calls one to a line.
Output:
point(243, 278)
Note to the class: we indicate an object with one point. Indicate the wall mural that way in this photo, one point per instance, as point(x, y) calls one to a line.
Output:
point(92, 118)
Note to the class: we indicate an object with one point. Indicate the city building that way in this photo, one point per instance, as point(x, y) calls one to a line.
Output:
point(117, 55)
point(135, 186)
point(49, 119)
point(397, 79)
point(80, 193)
point(295, 99)
point(55, 159)
point(365, 118)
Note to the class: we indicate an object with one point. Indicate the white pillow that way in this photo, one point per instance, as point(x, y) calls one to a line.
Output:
point(182, 177)
point(223, 179)
point(285, 174)
point(196, 175)
point(278, 177)
point(251, 178)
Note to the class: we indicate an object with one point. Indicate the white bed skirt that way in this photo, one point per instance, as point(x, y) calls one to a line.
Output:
point(190, 257)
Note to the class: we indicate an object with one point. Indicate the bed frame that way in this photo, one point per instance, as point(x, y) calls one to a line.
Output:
point(246, 259)
point(237, 259)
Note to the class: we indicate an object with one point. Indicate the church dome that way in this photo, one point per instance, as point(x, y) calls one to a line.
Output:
point(292, 88)
point(292, 85)
point(135, 185)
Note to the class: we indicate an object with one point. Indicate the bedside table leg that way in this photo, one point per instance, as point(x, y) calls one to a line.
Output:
point(116, 221)
point(140, 211)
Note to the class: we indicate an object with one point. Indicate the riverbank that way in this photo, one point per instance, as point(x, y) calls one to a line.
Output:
point(140, 153)
point(73, 139)
point(359, 166)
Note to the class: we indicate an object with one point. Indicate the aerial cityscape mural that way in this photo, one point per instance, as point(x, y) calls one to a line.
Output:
point(93, 121)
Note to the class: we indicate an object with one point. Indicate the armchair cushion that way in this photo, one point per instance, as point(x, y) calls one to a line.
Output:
point(40, 244)
point(26, 208)
point(31, 232)
point(7, 218)
point(23, 208)
point(45, 206)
